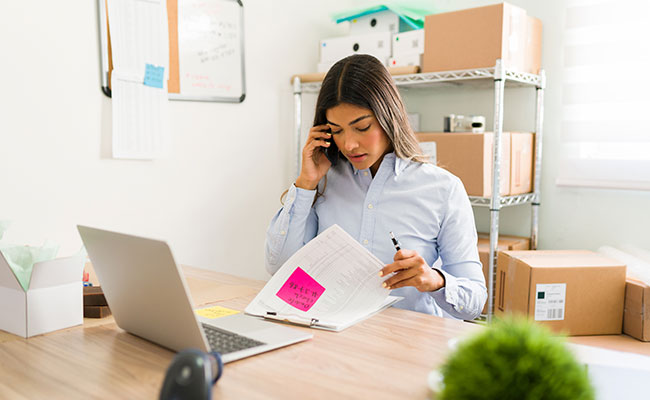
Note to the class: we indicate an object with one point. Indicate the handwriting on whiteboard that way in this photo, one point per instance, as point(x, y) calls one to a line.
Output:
point(210, 57)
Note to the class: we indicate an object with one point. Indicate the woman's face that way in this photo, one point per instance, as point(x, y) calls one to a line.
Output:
point(357, 134)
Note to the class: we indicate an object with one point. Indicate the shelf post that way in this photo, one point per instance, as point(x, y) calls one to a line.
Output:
point(495, 204)
point(297, 125)
point(537, 171)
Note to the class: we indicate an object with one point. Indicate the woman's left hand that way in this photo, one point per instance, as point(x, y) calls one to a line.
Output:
point(410, 269)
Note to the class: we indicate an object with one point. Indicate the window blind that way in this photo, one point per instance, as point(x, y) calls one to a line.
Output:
point(606, 95)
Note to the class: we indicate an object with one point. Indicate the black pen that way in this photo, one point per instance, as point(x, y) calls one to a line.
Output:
point(395, 242)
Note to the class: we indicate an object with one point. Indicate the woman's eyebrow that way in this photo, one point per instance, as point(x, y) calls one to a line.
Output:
point(359, 119)
point(353, 121)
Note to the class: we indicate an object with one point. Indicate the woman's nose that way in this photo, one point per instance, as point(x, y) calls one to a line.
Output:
point(349, 144)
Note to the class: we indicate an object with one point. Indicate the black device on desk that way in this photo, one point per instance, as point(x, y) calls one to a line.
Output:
point(191, 375)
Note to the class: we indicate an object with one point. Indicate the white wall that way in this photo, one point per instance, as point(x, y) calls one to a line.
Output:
point(212, 198)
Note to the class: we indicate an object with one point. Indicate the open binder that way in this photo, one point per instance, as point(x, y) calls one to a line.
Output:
point(331, 283)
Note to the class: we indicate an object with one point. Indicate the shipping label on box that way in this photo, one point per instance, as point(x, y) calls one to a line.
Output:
point(407, 43)
point(376, 44)
point(53, 300)
point(549, 301)
point(429, 149)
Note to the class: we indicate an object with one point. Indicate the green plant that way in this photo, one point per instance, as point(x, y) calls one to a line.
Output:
point(514, 359)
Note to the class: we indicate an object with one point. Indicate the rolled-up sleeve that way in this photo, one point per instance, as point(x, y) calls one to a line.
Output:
point(292, 226)
point(465, 292)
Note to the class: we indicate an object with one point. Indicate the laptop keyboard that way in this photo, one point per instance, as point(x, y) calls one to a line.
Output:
point(226, 342)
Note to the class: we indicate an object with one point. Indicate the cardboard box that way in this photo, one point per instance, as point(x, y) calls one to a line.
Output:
point(505, 243)
point(407, 43)
point(469, 156)
point(54, 299)
point(376, 44)
point(522, 145)
point(533, 46)
point(636, 313)
point(578, 292)
point(477, 37)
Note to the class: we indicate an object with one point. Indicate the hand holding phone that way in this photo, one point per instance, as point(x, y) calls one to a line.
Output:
point(331, 152)
point(318, 155)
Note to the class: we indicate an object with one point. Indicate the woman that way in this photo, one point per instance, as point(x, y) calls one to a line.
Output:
point(379, 181)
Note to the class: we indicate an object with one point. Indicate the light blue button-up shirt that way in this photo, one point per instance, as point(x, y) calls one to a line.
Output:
point(426, 208)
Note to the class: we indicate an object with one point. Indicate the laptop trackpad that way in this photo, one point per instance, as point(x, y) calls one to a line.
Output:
point(239, 323)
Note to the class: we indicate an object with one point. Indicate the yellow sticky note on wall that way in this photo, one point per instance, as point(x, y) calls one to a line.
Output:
point(215, 312)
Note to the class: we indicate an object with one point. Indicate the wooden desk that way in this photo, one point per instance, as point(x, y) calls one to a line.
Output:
point(386, 356)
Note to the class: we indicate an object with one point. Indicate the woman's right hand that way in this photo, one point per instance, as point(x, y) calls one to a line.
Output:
point(314, 162)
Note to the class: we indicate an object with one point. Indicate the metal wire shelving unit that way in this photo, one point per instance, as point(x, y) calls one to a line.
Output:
point(501, 78)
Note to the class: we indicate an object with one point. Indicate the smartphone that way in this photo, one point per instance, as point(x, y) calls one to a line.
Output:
point(331, 152)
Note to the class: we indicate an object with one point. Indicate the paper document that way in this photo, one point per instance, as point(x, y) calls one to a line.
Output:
point(330, 283)
point(140, 54)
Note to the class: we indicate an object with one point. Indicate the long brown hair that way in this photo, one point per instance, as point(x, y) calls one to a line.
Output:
point(362, 80)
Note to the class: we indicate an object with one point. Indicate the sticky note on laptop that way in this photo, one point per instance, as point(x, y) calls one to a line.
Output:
point(215, 312)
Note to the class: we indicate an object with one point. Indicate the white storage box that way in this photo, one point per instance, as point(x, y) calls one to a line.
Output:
point(405, 60)
point(324, 67)
point(376, 44)
point(411, 42)
point(382, 21)
point(54, 299)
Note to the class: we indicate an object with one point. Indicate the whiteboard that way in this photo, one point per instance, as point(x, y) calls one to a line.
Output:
point(210, 50)
point(206, 50)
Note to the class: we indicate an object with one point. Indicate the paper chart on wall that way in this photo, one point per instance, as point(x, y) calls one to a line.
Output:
point(139, 35)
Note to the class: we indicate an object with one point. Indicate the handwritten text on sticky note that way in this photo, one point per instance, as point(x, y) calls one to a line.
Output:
point(215, 312)
point(153, 76)
point(300, 290)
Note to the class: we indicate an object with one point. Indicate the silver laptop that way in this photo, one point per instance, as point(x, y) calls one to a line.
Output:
point(148, 296)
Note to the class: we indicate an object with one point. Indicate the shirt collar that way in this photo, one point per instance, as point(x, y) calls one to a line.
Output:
point(391, 160)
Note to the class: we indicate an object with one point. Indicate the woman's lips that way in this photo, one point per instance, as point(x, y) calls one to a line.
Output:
point(355, 158)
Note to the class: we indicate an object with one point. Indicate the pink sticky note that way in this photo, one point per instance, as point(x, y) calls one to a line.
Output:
point(300, 290)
